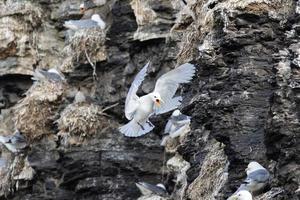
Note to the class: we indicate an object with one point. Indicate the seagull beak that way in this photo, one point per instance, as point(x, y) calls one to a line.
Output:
point(157, 102)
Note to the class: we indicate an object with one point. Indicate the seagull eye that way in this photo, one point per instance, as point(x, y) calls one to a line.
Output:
point(155, 97)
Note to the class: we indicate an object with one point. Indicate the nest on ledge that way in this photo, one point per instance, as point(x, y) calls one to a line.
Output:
point(34, 115)
point(85, 46)
point(82, 119)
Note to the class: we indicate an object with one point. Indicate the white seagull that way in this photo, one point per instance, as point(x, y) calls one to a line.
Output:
point(257, 177)
point(161, 100)
point(50, 75)
point(94, 22)
point(148, 189)
point(241, 195)
point(15, 143)
point(177, 125)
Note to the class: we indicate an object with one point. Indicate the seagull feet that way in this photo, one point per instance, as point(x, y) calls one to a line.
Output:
point(141, 126)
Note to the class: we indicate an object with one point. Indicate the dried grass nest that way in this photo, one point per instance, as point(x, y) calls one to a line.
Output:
point(85, 46)
point(82, 119)
point(34, 115)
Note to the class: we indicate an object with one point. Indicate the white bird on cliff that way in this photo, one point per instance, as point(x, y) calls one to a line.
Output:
point(148, 189)
point(256, 180)
point(93, 22)
point(51, 75)
point(177, 125)
point(241, 195)
point(161, 100)
point(15, 143)
point(257, 177)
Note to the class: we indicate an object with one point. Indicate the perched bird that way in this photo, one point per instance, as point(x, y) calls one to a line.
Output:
point(93, 22)
point(161, 100)
point(15, 143)
point(241, 195)
point(51, 75)
point(257, 177)
point(148, 189)
point(177, 125)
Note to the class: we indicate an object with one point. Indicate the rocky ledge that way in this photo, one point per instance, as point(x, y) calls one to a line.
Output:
point(244, 101)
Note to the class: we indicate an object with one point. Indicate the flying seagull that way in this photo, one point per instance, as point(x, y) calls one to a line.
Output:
point(50, 75)
point(93, 22)
point(241, 195)
point(148, 189)
point(15, 143)
point(161, 100)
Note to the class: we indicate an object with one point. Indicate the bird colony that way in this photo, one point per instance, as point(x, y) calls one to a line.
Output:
point(84, 118)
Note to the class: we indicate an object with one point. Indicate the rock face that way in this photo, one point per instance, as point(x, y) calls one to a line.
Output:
point(244, 101)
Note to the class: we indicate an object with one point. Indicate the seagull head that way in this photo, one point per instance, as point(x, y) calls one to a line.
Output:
point(82, 8)
point(252, 166)
point(242, 195)
point(176, 113)
point(157, 99)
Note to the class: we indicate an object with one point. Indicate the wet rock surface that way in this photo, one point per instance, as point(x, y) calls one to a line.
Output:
point(244, 101)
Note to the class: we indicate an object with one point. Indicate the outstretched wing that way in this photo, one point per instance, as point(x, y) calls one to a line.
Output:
point(168, 83)
point(131, 102)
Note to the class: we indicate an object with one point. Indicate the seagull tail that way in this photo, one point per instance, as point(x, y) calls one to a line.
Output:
point(133, 129)
point(170, 105)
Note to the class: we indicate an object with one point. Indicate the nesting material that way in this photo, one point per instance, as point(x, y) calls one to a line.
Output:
point(82, 119)
point(35, 114)
point(85, 46)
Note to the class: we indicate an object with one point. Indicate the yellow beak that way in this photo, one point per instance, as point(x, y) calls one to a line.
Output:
point(157, 102)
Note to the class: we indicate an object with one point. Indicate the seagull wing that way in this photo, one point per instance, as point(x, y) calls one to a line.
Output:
point(80, 24)
point(18, 138)
point(260, 176)
point(132, 102)
point(154, 189)
point(168, 126)
point(168, 83)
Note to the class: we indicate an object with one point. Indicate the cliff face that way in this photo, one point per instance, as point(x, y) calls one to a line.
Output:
point(244, 101)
